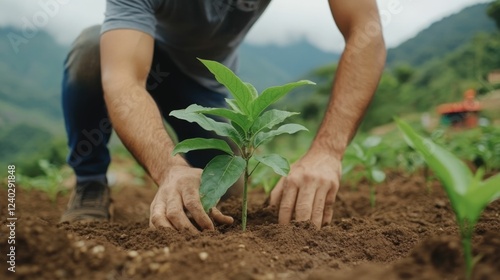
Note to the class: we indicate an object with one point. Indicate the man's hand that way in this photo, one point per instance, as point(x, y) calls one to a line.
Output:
point(310, 189)
point(180, 191)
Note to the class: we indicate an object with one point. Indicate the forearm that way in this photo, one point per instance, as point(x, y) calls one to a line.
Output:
point(138, 122)
point(353, 88)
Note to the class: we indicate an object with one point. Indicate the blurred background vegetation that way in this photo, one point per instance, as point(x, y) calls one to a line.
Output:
point(435, 67)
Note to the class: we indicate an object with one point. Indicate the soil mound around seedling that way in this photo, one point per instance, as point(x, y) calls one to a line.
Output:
point(411, 234)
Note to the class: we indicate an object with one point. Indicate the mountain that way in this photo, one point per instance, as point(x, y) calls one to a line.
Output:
point(30, 78)
point(272, 65)
point(30, 111)
point(442, 37)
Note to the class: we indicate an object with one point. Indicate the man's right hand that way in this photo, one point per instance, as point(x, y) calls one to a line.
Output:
point(179, 194)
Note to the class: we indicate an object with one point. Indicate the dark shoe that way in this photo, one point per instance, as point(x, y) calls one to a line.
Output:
point(89, 201)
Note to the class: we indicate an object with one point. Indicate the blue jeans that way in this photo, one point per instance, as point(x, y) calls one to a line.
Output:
point(88, 127)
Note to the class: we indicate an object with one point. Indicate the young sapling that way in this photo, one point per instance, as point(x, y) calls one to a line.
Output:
point(469, 194)
point(50, 182)
point(365, 155)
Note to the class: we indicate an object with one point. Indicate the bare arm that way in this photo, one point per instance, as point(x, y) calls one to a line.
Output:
point(126, 57)
point(134, 114)
point(310, 189)
point(358, 74)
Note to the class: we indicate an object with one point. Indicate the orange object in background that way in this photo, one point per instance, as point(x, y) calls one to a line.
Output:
point(461, 114)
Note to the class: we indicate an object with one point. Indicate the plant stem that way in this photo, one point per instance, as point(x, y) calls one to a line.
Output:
point(244, 206)
point(466, 230)
point(372, 195)
point(254, 169)
point(469, 263)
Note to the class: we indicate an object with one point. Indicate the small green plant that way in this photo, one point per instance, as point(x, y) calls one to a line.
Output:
point(409, 159)
point(486, 149)
point(50, 182)
point(469, 194)
point(250, 127)
point(365, 155)
point(412, 161)
point(265, 179)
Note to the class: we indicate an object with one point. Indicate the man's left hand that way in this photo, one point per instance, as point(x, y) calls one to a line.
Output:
point(309, 190)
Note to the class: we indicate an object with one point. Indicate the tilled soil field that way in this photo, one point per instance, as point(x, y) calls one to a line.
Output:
point(411, 234)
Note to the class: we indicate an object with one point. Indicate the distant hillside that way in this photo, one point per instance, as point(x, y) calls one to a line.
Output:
point(442, 37)
point(30, 80)
point(31, 125)
point(272, 65)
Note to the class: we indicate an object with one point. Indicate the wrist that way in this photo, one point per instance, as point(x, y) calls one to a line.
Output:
point(330, 148)
point(168, 168)
point(320, 150)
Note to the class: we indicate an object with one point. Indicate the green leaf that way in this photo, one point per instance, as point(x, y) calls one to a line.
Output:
point(236, 117)
point(377, 175)
point(233, 105)
point(451, 171)
point(252, 90)
point(231, 115)
point(220, 128)
point(478, 196)
point(372, 141)
point(262, 137)
point(240, 130)
point(487, 191)
point(278, 163)
point(371, 160)
point(271, 95)
point(44, 165)
point(347, 168)
point(238, 89)
point(218, 176)
point(359, 152)
point(270, 118)
point(201, 144)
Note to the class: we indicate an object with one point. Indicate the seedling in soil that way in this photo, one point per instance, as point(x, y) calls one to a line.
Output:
point(365, 155)
point(50, 182)
point(486, 150)
point(250, 127)
point(468, 193)
point(412, 161)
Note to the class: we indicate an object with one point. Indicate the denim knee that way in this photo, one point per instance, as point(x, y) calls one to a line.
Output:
point(83, 63)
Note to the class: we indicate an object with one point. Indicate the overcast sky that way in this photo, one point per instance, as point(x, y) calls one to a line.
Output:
point(283, 22)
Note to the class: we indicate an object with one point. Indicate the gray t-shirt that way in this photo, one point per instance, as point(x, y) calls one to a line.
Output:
point(187, 29)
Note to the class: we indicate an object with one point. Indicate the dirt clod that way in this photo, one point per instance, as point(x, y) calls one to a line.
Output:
point(203, 256)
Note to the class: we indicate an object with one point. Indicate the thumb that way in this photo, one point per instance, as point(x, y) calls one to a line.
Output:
point(220, 218)
point(277, 193)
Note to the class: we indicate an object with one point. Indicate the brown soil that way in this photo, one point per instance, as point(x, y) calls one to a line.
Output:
point(411, 234)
